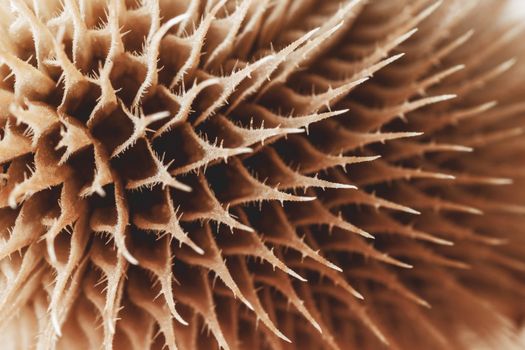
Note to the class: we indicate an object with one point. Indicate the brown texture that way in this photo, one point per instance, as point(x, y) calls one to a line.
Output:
point(258, 174)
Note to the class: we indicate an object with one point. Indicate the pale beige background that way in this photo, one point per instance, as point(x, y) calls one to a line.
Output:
point(517, 9)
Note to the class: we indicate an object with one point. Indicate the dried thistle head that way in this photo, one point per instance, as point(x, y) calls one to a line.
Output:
point(241, 174)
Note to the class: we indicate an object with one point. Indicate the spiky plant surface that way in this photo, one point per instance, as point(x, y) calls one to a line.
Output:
point(198, 174)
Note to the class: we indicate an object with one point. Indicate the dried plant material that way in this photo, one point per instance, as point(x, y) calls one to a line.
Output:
point(256, 174)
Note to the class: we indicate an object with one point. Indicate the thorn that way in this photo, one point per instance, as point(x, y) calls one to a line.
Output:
point(56, 325)
point(130, 258)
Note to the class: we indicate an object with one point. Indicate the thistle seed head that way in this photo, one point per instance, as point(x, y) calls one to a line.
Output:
point(257, 174)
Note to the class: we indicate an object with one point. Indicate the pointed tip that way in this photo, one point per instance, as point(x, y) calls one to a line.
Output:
point(337, 26)
point(338, 112)
point(281, 335)
point(311, 33)
point(249, 305)
point(243, 150)
point(469, 34)
point(488, 105)
point(197, 249)
point(405, 265)
point(334, 266)
point(345, 186)
point(51, 252)
point(245, 228)
point(446, 97)
point(317, 326)
point(435, 5)
point(438, 240)
point(495, 241)
point(183, 187)
point(296, 275)
point(444, 176)
point(365, 234)
point(360, 81)
point(293, 130)
point(285, 338)
point(424, 303)
point(501, 181)
point(55, 323)
point(460, 148)
point(474, 211)
point(459, 67)
point(398, 56)
point(181, 320)
point(509, 63)
point(358, 295)
point(130, 258)
point(412, 31)
point(411, 211)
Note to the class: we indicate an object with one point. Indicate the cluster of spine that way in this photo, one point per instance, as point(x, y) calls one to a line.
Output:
point(258, 174)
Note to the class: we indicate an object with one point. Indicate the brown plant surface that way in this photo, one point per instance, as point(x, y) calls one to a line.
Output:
point(261, 174)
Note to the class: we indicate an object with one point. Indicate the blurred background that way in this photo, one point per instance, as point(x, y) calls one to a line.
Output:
point(516, 8)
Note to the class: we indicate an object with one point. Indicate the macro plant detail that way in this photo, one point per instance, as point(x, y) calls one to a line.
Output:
point(260, 174)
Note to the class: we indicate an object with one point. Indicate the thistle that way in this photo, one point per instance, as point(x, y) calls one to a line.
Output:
point(258, 174)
